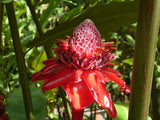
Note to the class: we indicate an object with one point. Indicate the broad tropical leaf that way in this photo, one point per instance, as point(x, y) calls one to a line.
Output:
point(107, 18)
point(5, 1)
point(16, 110)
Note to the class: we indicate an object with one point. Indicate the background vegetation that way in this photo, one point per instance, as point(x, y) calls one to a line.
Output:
point(55, 19)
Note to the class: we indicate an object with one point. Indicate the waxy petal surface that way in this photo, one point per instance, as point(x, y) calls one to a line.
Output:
point(114, 78)
point(90, 80)
point(104, 98)
point(78, 75)
point(78, 94)
point(48, 61)
point(43, 76)
point(59, 79)
point(47, 72)
point(51, 67)
point(107, 69)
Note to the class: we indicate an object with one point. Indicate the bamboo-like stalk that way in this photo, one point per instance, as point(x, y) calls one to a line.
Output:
point(20, 61)
point(146, 40)
point(49, 55)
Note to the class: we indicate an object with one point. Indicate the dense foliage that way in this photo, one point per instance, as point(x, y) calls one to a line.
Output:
point(116, 21)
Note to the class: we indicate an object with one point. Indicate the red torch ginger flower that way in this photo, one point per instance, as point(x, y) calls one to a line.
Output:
point(82, 68)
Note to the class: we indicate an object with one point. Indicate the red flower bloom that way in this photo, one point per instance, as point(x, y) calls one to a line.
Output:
point(82, 69)
point(3, 115)
point(125, 89)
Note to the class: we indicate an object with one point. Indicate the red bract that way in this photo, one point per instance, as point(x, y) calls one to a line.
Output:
point(3, 115)
point(82, 68)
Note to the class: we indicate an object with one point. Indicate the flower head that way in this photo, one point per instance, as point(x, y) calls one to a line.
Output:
point(85, 49)
point(82, 68)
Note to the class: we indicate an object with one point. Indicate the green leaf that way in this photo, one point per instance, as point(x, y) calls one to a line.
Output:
point(158, 80)
point(16, 110)
point(92, 2)
point(2, 74)
point(5, 1)
point(107, 18)
point(149, 118)
point(46, 13)
point(37, 63)
point(72, 13)
point(130, 40)
point(2, 60)
point(128, 61)
point(1, 85)
point(122, 111)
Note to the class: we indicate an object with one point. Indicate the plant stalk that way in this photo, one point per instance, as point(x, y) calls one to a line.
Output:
point(1, 48)
point(95, 112)
point(77, 115)
point(65, 102)
point(144, 56)
point(49, 53)
point(91, 109)
point(39, 28)
point(58, 109)
point(20, 61)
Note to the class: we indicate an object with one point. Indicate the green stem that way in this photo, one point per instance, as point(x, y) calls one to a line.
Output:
point(65, 102)
point(49, 53)
point(91, 110)
point(1, 48)
point(95, 112)
point(34, 16)
point(146, 40)
point(154, 99)
point(1, 19)
point(20, 61)
point(58, 109)
point(108, 115)
point(48, 49)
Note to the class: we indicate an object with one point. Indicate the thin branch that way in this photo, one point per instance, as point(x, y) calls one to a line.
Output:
point(48, 49)
point(1, 19)
point(34, 16)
